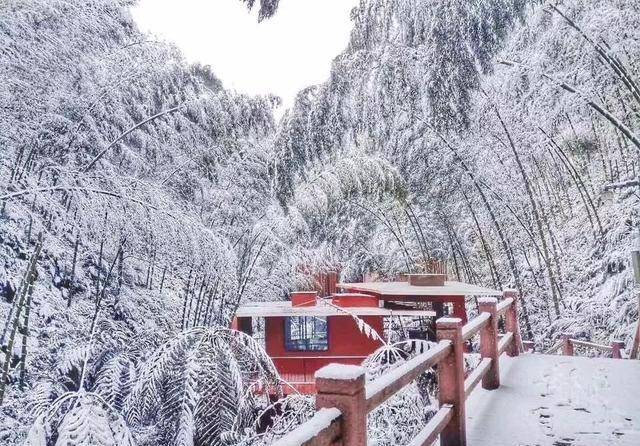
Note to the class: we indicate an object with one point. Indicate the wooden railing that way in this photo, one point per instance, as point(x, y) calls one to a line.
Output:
point(568, 344)
point(344, 398)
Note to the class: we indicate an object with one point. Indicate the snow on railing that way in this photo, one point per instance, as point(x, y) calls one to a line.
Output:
point(321, 429)
point(568, 344)
point(342, 388)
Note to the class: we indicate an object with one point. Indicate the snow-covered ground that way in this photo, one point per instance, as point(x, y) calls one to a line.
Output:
point(558, 401)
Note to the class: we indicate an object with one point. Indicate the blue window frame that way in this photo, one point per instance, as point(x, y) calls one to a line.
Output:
point(306, 333)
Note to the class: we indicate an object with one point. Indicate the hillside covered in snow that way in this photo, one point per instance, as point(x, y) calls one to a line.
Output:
point(141, 202)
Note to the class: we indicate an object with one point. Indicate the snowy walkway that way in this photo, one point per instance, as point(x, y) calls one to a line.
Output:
point(558, 401)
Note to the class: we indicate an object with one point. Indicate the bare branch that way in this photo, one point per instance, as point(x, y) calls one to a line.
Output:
point(604, 112)
point(132, 129)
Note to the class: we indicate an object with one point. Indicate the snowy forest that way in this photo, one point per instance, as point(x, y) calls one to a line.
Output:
point(142, 202)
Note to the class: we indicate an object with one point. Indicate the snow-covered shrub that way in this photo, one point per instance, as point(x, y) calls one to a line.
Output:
point(79, 419)
point(198, 388)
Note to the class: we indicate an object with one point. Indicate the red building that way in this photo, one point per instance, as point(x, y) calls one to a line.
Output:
point(308, 332)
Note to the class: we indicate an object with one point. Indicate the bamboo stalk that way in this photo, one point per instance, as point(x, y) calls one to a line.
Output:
point(13, 323)
point(25, 336)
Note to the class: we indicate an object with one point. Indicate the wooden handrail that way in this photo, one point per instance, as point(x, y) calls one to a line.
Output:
point(476, 376)
point(475, 325)
point(322, 429)
point(604, 348)
point(554, 348)
point(504, 305)
point(384, 387)
point(505, 343)
point(434, 427)
point(568, 344)
point(342, 388)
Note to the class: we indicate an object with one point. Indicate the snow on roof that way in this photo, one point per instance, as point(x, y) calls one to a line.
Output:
point(340, 371)
point(450, 288)
point(487, 300)
point(284, 308)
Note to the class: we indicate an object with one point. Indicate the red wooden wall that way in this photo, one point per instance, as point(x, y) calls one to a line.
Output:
point(347, 345)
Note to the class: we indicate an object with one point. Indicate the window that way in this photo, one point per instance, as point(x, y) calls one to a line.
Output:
point(306, 333)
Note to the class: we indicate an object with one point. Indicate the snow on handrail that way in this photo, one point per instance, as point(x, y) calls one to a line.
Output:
point(504, 342)
point(323, 429)
point(504, 305)
point(391, 382)
point(474, 377)
point(576, 342)
point(605, 348)
point(554, 348)
point(473, 327)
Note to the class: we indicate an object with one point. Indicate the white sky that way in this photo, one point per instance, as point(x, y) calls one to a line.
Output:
point(281, 55)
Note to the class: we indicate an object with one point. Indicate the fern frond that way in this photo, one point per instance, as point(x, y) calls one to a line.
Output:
point(185, 399)
point(288, 413)
point(43, 394)
point(90, 422)
point(222, 388)
point(146, 394)
point(364, 328)
point(72, 361)
point(193, 387)
point(115, 379)
point(37, 435)
point(251, 356)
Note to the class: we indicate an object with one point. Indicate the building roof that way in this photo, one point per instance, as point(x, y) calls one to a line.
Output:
point(284, 308)
point(399, 289)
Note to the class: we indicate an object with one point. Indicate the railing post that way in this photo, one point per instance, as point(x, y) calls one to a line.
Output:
point(567, 346)
point(343, 386)
point(451, 382)
point(512, 324)
point(489, 342)
point(616, 349)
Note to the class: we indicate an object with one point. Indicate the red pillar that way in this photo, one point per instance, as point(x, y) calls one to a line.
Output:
point(243, 324)
point(616, 349)
point(343, 386)
point(489, 342)
point(512, 324)
point(567, 345)
point(451, 382)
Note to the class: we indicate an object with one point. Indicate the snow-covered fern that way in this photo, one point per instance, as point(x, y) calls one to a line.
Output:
point(193, 389)
point(115, 378)
point(79, 418)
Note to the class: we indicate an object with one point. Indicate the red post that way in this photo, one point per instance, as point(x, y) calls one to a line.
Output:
point(243, 324)
point(567, 345)
point(489, 342)
point(451, 382)
point(635, 347)
point(617, 348)
point(512, 324)
point(343, 386)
